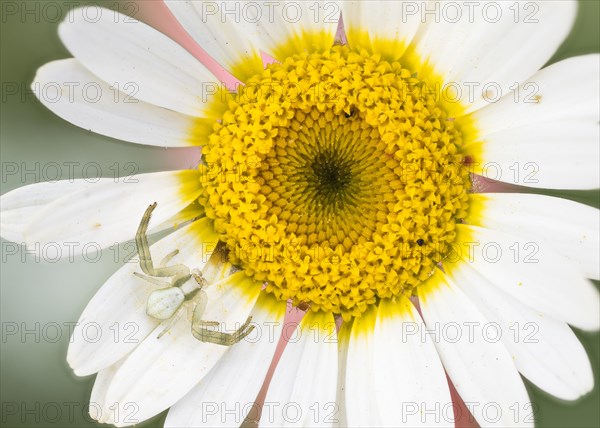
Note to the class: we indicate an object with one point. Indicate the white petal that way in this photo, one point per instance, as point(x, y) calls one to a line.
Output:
point(226, 395)
point(545, 350)
point(20, 206)
point(214, 30)
point(343, 344)
point(381, 19)
point(159, 372)
point(99, 410)
point(361, 404)
point(110, 211)
point(233, 31)
point(125, 52)
point(533, 273)
point(303, 388)
point(567, 90)
point(410, 382)
point(491, 43)
point(482, 371)
point(76, 95)
point(570, 228)
point(552, 155)
point(115, 321)
point(531, 138)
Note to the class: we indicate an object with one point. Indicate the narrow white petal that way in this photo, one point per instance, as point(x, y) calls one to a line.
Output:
point(160, 371)
point(115, 321)
point(533, 273)
point(209, 24)
point(381, 19)
point(21, 206)
point(491, 44)
point(410, 382)
point(76, 95)
point(143, 62)
point(567, 90)
point(99, 410)
point(303, 388)
point(361, 404)
point(343, 344)
point(530, 138)
point(552, 155)
point(570, 228)
point(482, 371)
point(545, 350)
point(226, 395)
point(233, 31)
point(109, 211)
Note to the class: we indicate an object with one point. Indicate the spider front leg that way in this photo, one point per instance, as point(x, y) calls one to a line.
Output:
point(202, 332)
point(166, 259)
point(151, 280)
point(141, 240)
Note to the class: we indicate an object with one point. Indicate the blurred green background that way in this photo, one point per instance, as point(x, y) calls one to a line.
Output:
point(39, 296)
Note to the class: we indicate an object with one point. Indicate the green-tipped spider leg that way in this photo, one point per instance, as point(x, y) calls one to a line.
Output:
point(178, 272)
point(171, 321)
point(202, 331)
point(152, 280)
point(166, 259)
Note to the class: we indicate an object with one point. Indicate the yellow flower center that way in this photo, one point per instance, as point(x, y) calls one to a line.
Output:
point(336, 178)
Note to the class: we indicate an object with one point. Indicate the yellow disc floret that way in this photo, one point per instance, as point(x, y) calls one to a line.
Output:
point(336, 179)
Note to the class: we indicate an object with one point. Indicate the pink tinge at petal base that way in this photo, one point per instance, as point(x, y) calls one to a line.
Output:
point(462, 416)
point(482, 184)
point(158, 15)
point(292, 320)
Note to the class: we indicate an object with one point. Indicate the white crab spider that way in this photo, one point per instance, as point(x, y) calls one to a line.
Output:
point(166, 304)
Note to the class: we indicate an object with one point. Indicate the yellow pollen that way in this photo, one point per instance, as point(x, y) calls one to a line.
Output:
point(336, 178)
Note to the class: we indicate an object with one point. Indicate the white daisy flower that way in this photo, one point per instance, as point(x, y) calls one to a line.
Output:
point(340, 176)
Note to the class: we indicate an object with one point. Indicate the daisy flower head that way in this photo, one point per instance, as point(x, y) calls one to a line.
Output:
point(345, 170)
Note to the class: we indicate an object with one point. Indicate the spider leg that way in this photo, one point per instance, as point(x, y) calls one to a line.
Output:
point(153, 280)
point(146, 264)
point(141, 242)
point(226, 339)
point(199, 308)
point(200, 280)
point(201, 331)
point(171, 321)
point(177, 271)
point(203, 324)
point(168, 258)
